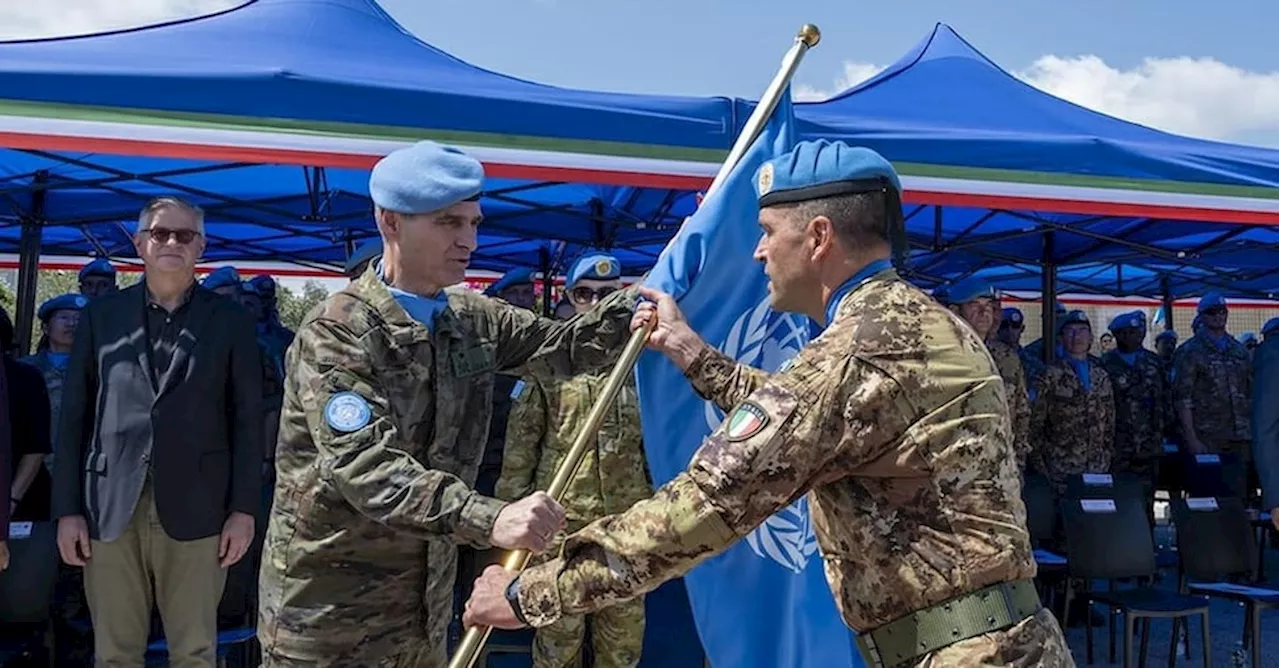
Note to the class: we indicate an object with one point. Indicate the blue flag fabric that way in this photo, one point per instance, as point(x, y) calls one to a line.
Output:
point(764, 601)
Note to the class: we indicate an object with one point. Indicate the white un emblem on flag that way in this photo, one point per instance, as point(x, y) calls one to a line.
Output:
point(766, 339)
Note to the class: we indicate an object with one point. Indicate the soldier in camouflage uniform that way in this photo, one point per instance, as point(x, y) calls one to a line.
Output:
point(386, 412)
point(613, 476)
point(1073, 418)
point(1213, 385)
point(893, 420)
point(1142, 397)
point(1010, 333)
point(59, 316)
point(976, 300)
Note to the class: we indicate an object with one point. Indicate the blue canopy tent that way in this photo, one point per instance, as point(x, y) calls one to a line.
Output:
point(1004, 180)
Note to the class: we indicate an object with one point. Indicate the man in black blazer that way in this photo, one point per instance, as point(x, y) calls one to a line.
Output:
point(158, 472)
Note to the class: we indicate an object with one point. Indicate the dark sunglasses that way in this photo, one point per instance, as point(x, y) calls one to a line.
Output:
point(1217, 310)
point(1009, 325)
point(162, 235)
point(585, 294)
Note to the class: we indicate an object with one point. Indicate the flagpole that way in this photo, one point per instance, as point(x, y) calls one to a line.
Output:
point(469, 649)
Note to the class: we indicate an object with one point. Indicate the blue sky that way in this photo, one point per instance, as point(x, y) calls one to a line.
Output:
point(1194, 68)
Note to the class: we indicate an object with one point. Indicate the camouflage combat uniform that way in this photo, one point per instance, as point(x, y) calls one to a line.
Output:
point(1142, 397)
point(359, 564)
point(613, 476)
point(1032, 367)
point(1015, 388)
point(1074, 429)
point(1216, 385)
point(54, 376)
point(894, 421)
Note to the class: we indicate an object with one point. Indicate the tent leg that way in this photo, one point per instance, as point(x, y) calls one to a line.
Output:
point(1048, 299)
point(29, 264)
point(544, 260)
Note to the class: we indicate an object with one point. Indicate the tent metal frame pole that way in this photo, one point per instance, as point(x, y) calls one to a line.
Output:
point(544, 264)
point(1048, 296)
point(29, 263)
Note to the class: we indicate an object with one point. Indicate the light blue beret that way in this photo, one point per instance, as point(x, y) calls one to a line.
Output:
point(1248, 337)
point(1211, 300)
point(99, 267)
point(1135, 319)
point(1271, 326)
point(222, 277)
point(1074, 318)
point(1011, 314)
point(263, 285)
point(425, 177)
point(362, 254)
point(517, 276)
point(821, 168)
point(248, 287)
point(969, 289)
point(67, 302)
point(1167, 334)
point(596, 266)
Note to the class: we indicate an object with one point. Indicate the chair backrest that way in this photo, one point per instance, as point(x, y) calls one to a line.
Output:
point(1214, 475)
point(1042, 512)
point(1108, 538)
point(1106, 486)
point(1169, 470)
point(1215, 539)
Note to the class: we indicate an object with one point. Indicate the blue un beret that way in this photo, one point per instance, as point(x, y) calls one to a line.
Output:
point(1135, 319)
point(598, 266)
point(249, 288)
point(1011, 314)
point(263, 285)
point(363, 254)
point(1211, 300)
point(1167, 334)
point(969, 289)
point(222, 277)
point(1248, 337)
point(99, 267)
point(1074, 318)
point(425, 177)
point(821, 168)
point(67, 302)
point(517, 276)
point(1271, 326)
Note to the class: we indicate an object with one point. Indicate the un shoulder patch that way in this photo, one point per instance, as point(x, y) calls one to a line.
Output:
point(517, 389)
point(347, 412)
point(746, 421)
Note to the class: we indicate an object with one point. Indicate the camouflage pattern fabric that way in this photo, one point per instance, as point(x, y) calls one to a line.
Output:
point(893, 420)
point(1142, 404)
point(1032, 367)
point(1015, 389)
point(1074, 430)
point(612, 476)
point(359, 562)
point(54, 377)
point(1217, 386)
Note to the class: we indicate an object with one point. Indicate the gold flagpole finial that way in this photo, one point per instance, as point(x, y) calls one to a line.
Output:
point(810, 35)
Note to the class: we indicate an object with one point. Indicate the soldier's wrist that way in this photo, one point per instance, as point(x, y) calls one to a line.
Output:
point(686, 349)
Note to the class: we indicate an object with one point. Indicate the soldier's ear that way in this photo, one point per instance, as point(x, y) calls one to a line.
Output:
point(823, 234)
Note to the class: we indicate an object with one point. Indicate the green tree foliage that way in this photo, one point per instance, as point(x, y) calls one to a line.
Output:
point(295, 306)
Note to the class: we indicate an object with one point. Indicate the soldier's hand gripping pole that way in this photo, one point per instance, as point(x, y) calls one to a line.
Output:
point(469, 649)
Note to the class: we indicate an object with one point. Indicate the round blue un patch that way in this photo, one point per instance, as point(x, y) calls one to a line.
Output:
point(346, 412)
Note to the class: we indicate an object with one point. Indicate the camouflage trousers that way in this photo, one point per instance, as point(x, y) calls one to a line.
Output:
point(1035, 641)
point(617, 632)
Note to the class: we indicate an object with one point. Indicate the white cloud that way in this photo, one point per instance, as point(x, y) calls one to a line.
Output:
point(28, 19)
point(1199, 97)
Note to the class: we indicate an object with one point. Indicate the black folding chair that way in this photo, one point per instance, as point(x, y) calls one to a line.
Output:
point(26, 588)
point(1108, 539)
point(1214, 475)
point(1216, 543)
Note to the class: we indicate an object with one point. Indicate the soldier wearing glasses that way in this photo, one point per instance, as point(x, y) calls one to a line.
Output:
point(1212, 385)
point(544, 421)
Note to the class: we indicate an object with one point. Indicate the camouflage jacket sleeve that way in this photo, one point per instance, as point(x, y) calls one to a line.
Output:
point(770, 450)
point(371, 466)
point(526, 344)
point(718, 378)
point(1039, 422)
point(526, 427)
point(1184, 378)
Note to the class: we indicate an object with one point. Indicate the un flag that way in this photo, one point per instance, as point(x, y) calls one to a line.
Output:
point(765, 601)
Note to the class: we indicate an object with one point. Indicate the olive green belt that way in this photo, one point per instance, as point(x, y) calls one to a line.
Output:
point(966, 616)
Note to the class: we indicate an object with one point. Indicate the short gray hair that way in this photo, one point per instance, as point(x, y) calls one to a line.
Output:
point(157, 204)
